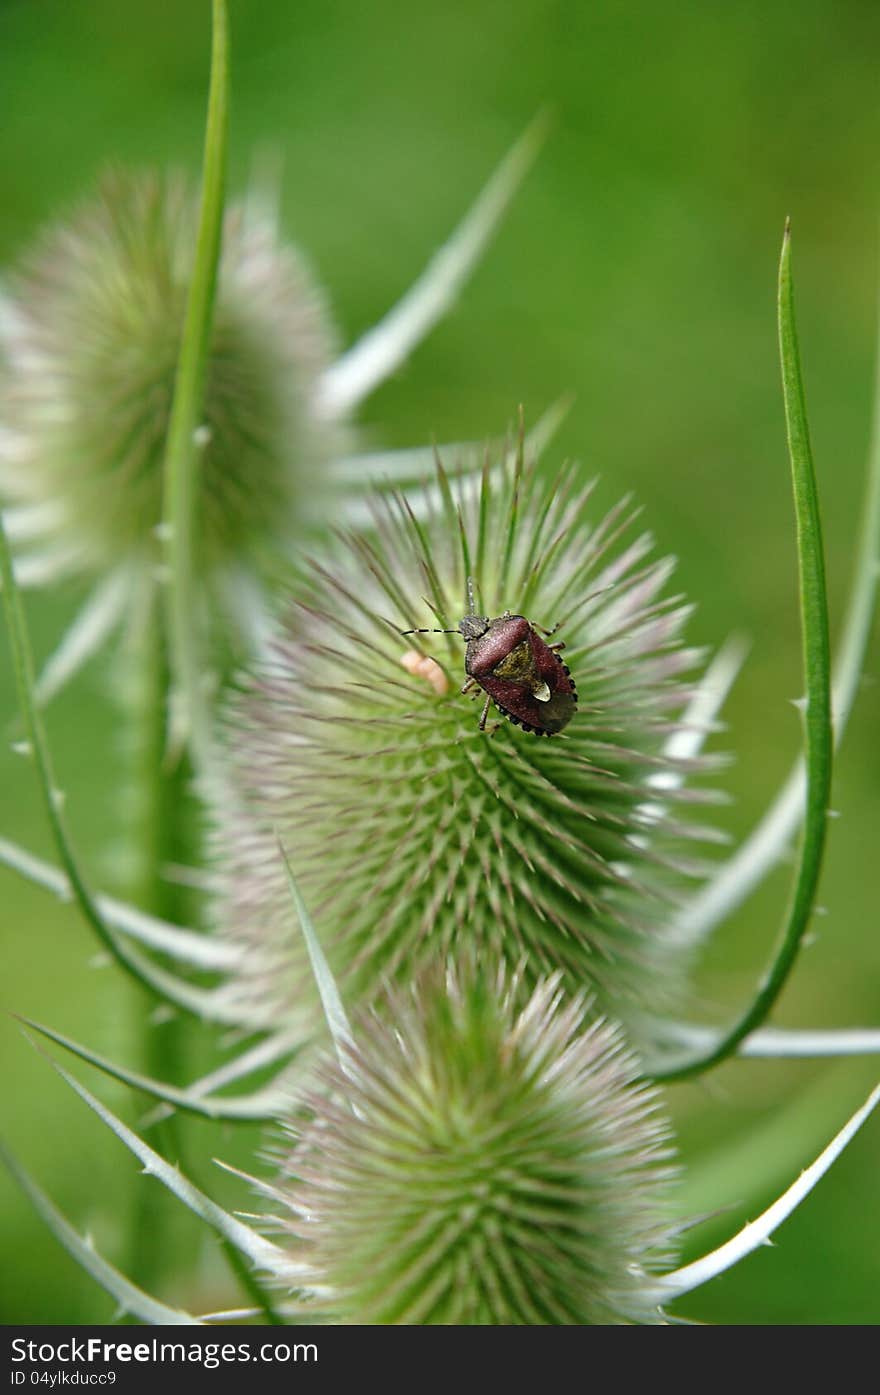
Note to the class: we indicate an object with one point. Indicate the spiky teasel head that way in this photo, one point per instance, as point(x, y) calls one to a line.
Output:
point(477, 1162)
point(412, 833)
point(90, 329)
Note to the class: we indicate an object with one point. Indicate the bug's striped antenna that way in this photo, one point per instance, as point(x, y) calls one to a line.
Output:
point(431, 632)
point(471, 611)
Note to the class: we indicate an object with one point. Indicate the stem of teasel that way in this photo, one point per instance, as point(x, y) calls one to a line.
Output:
point(174, 735)
point(180, 510)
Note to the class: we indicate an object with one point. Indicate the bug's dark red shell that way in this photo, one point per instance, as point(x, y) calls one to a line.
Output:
point(515, 698)
point(483, 655)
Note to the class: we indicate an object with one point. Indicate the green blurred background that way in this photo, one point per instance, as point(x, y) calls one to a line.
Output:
point(636, 270)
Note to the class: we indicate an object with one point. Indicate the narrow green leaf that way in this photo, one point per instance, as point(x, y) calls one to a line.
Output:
point(818, 742)
point(337, 1021)
point(130, 1298)
point(737, 878)
point(157, 981)
point(264, 1104)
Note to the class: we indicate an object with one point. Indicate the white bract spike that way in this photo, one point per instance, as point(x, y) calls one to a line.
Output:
point(843, 1041)
point(196, 878)
point(265, 1053)
point(270, 1102)
point(259, 1184)
point(409, 464)
point(247, 607)
point(704, 706)
point(23, 523)
point(458, 457)
point(43, 568)
point(782, 1042)
point(187, 946)
point(424, 500)
point(687, 741)
point(384, 348)
point(231, 1315)
point(14, 447)
point(130, 1298)
point(262, 200)
point(756, 1233)
point(260, 1251)
point(97, 619)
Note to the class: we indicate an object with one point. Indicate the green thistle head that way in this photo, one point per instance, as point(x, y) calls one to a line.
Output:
point(413, 834)
point(478, 1163)
point(90, 328)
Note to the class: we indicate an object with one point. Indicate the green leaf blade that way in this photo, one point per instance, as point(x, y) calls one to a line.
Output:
point(818, 735)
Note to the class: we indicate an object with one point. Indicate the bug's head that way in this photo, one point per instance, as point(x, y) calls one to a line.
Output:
point(473, 626)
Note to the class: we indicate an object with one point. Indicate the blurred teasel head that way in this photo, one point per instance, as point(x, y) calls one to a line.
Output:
point(90, 329)
point(477, 1160)
point(413, 833)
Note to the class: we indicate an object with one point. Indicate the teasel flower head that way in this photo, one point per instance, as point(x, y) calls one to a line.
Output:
point(89, 337)
point(415, 835)
point(476, 1161)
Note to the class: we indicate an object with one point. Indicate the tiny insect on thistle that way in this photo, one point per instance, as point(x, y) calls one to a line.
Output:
point(518, 670)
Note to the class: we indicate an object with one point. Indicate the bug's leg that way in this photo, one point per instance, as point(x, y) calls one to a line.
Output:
point(466, 687)
point(555, 648)
point(484, 714)
point(547, 633)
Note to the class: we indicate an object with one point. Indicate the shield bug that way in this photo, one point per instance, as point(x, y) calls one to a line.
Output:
point(518, 670)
